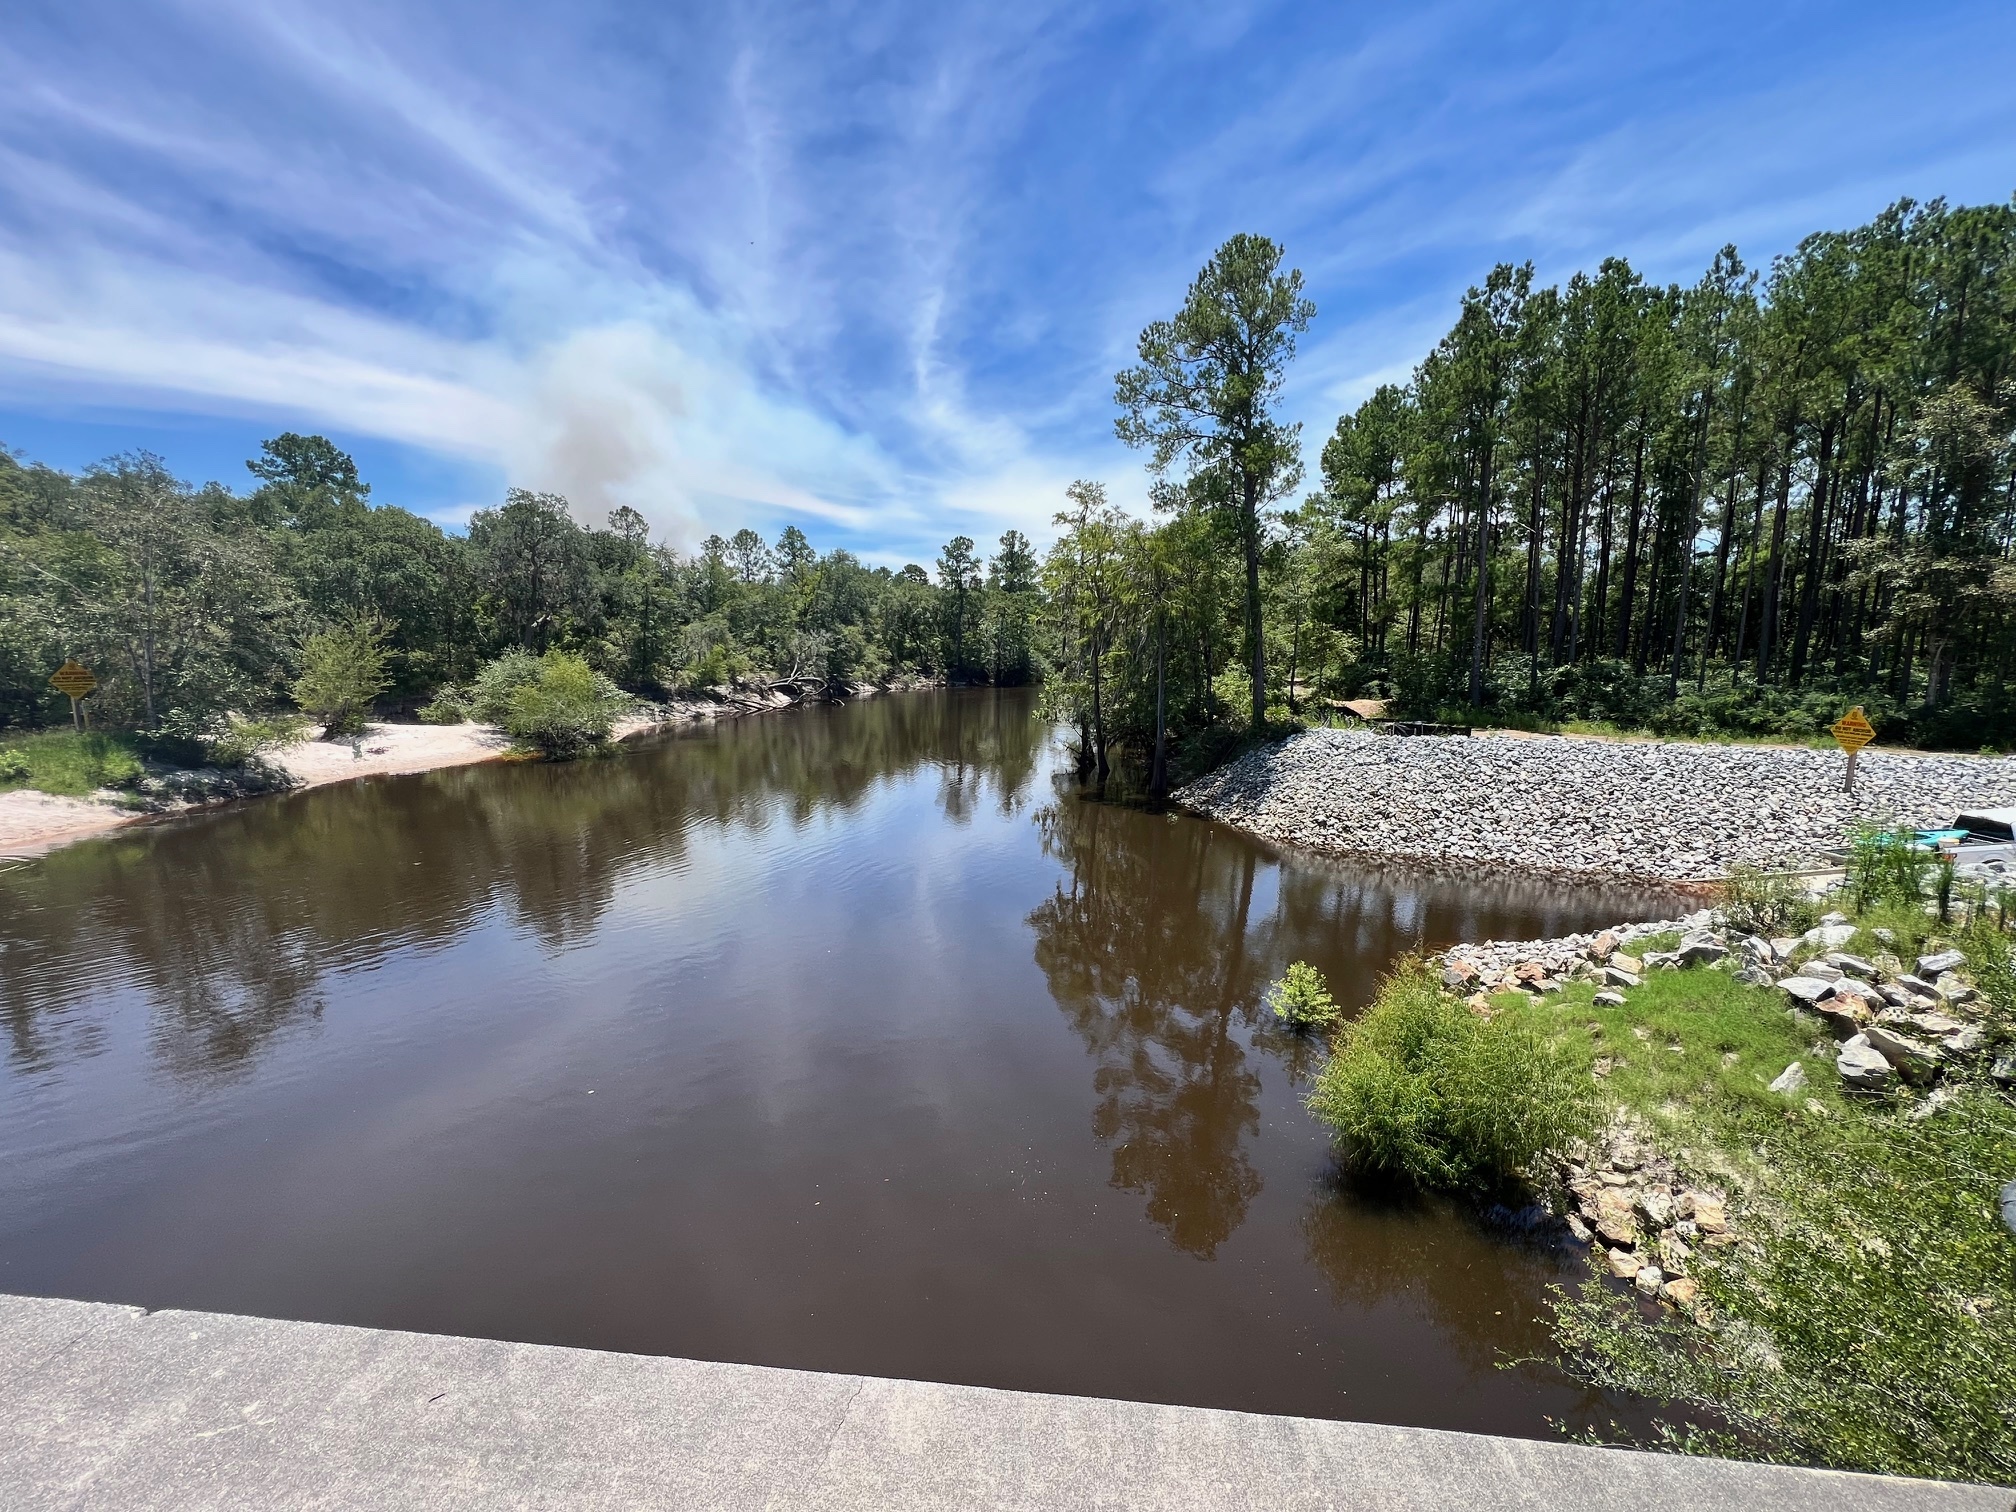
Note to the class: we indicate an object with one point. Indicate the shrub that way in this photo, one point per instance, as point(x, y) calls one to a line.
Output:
point(450, 705)
point(1887, 866)
point(498, 683)
point(342, 671)
point(566, 708)
point(1760, 903)
point(236, 741)
point(1424, 1091)
point(1302, 1001)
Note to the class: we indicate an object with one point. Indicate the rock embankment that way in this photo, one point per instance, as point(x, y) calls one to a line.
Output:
point(1588, 807)
point(1896, 1023)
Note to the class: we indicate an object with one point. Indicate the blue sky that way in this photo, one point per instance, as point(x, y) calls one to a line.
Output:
point(866, 267)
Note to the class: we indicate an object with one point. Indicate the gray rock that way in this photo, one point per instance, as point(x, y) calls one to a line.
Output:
point(1791, 1080)
point(1932, 966)
point(2004, 1070)
point(1965, 1041)
point(1648, 1278)
point(1826, 971)
point(1829, 936)
point(1914, 1060)
point(1700, 952)
point(1608, 1000)
point(1806, 990)
point(1783, 947)
point(1952, 990)
point(1635, 808)
point(1655, 1207)
point(1845, 1016)
point(1617, 976)
point(1862, 1065)
point(1854, 965)
point(1754, 976)
point(1917, 986)
point(1832, 920)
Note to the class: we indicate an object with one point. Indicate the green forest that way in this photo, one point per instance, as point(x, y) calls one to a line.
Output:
point(1729, 508)
point(196, 606)
point(1732, 508)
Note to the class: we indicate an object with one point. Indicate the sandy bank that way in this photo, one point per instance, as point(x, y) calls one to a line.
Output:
point(33, 823)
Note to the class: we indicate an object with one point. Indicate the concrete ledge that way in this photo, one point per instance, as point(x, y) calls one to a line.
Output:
point(111, 1407)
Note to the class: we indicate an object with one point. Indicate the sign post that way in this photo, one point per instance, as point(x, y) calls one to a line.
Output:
point(1852, 732)
point(74, 679)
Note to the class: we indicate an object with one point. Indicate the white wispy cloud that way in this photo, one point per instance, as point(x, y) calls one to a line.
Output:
point(740, 265)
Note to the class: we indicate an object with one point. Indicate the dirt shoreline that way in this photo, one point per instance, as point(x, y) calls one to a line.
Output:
point(34, 823)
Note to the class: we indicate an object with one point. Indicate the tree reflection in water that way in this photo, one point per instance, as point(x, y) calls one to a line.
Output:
point(228, 922)
point(1144, 946)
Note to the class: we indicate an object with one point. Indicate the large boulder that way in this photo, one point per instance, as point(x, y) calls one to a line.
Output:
point(1844, 1016)
point(1828, 936)
point(1931, 967)
point(1615, 1220)
point(1862, 1066)
point(1700, 951)
point(1914, 1060)
point(1806, 990)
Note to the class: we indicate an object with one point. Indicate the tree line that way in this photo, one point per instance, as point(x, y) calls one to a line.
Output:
point(1735, 506)
point(1739, 505)
point(193, 604)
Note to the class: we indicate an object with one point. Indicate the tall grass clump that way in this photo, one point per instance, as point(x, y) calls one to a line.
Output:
point(68, 762)
point(1422, 1091)
point(1767, 904)
point(1886, 865)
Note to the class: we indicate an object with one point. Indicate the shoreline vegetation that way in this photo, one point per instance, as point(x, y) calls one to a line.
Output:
point(1778, 1134)
point(83, 794)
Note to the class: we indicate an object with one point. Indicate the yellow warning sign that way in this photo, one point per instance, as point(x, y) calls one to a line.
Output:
point(1853, 731)
point(74, 678)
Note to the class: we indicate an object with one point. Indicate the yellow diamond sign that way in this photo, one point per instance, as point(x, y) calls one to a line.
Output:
point(1854, 731)
point(74, 678)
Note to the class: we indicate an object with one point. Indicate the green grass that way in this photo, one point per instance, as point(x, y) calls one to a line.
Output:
point(1709, 1046)
point(1868, 1322)
point(67, 763)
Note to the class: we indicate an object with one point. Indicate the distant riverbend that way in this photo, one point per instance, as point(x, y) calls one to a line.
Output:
point(852, 1038)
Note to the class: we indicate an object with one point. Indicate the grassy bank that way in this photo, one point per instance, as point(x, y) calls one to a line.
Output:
point(67, 763)
point(1868, 1321)
point(1860, 1310)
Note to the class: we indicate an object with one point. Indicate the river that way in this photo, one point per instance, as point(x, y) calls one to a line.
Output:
point(849, 1038)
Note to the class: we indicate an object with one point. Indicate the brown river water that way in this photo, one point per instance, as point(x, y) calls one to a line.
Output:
point(850, 1038)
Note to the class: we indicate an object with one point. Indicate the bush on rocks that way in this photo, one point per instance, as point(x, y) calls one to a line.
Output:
point(1423, 1091)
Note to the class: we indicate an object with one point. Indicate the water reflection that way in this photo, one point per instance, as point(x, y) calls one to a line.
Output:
point(1159, 942)
point(1143, 944)
point(840, 1040)
point(228, 922)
